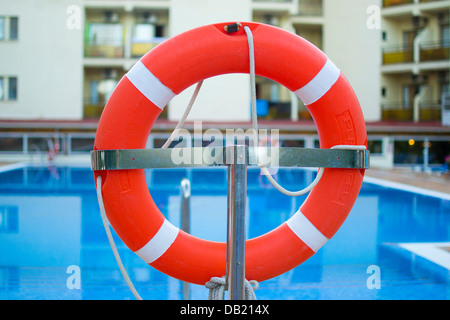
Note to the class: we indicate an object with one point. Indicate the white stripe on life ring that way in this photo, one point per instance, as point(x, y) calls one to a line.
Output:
point(320, 84)
point(306, 231)
point(159, 244)
point(149, 85)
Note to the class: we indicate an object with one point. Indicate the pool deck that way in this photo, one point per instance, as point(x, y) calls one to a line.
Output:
point(428, 181)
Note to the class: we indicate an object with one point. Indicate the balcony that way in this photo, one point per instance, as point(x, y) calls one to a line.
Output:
point(398, 54)
point(104, 40)
point(310, 8)
point(425, 56)
point(274, 1)
point(274, 6)
point(435, 51)
point(105, 49)
point(397, 111)
point(402, 7)
point(428, 111)
point(139, 48)
point(390, 3)
point(91, 111)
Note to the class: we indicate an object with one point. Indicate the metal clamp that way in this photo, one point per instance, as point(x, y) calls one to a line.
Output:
point(123, 159)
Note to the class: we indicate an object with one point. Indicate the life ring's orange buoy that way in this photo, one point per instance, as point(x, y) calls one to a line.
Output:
point(184, 60)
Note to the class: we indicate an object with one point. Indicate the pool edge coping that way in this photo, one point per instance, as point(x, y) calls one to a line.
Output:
point(406, 187)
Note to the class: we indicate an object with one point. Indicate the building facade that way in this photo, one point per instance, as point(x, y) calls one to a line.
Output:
point(110, 36)
point(394, 53)
point(415, 59)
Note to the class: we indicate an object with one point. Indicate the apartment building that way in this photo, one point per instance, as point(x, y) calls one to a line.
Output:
point(118, 34)
point(63, 60)
point(415, 67)
point(415, 59)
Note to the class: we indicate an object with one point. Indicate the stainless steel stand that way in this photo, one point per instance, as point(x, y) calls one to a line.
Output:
point(237, 158)
point(186, 222)
point(236, 236)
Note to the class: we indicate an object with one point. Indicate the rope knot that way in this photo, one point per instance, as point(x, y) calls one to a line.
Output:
point(217, 287)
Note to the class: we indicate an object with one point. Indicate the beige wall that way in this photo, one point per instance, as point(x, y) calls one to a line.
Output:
point(355, 49)
point(223, 98)
point(46, 58)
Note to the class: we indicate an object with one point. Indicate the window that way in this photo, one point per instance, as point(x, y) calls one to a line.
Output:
point(2, 90)
point(2, 28)
point(445, 36)
point(13, 28)
point(8, 88)
point(12, 88)
point(375, 146)
point(9, 28)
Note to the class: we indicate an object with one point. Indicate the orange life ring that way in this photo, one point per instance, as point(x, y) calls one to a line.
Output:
point(184, 60)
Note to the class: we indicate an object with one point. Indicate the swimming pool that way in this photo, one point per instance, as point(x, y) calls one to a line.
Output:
point(51, 231)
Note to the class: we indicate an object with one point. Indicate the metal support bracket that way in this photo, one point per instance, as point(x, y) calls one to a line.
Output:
point(218, 156)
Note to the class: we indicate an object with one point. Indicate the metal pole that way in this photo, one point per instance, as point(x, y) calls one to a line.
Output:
point(426, 154)
point(237, 194)
point(186, 222)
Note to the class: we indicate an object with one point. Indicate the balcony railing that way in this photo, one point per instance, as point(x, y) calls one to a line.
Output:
point(398, 55)
point(138, 49)
point(93, 108)
point(272, 0)
point(396, 111)
point(104, 48)
point(310, 8)
point(390, 3)
point(428, 111)
point(110, 48)
point(435, 51)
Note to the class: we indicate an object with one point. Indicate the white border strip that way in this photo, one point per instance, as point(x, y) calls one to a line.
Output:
point(320, 84)
point(405, 187)
point(149, 85)
point(306, 231)
point(159, 244)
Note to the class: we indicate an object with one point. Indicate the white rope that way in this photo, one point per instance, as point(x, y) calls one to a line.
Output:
point(111, 240)
point(217, 288)
point(184, 116)
point(315, 181)
point(255, 128)
point(251, 50)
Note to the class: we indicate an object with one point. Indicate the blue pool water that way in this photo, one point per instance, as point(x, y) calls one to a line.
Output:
point(51, 231)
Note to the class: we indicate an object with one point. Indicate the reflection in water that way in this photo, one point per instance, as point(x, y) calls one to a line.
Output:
point(49, 220)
